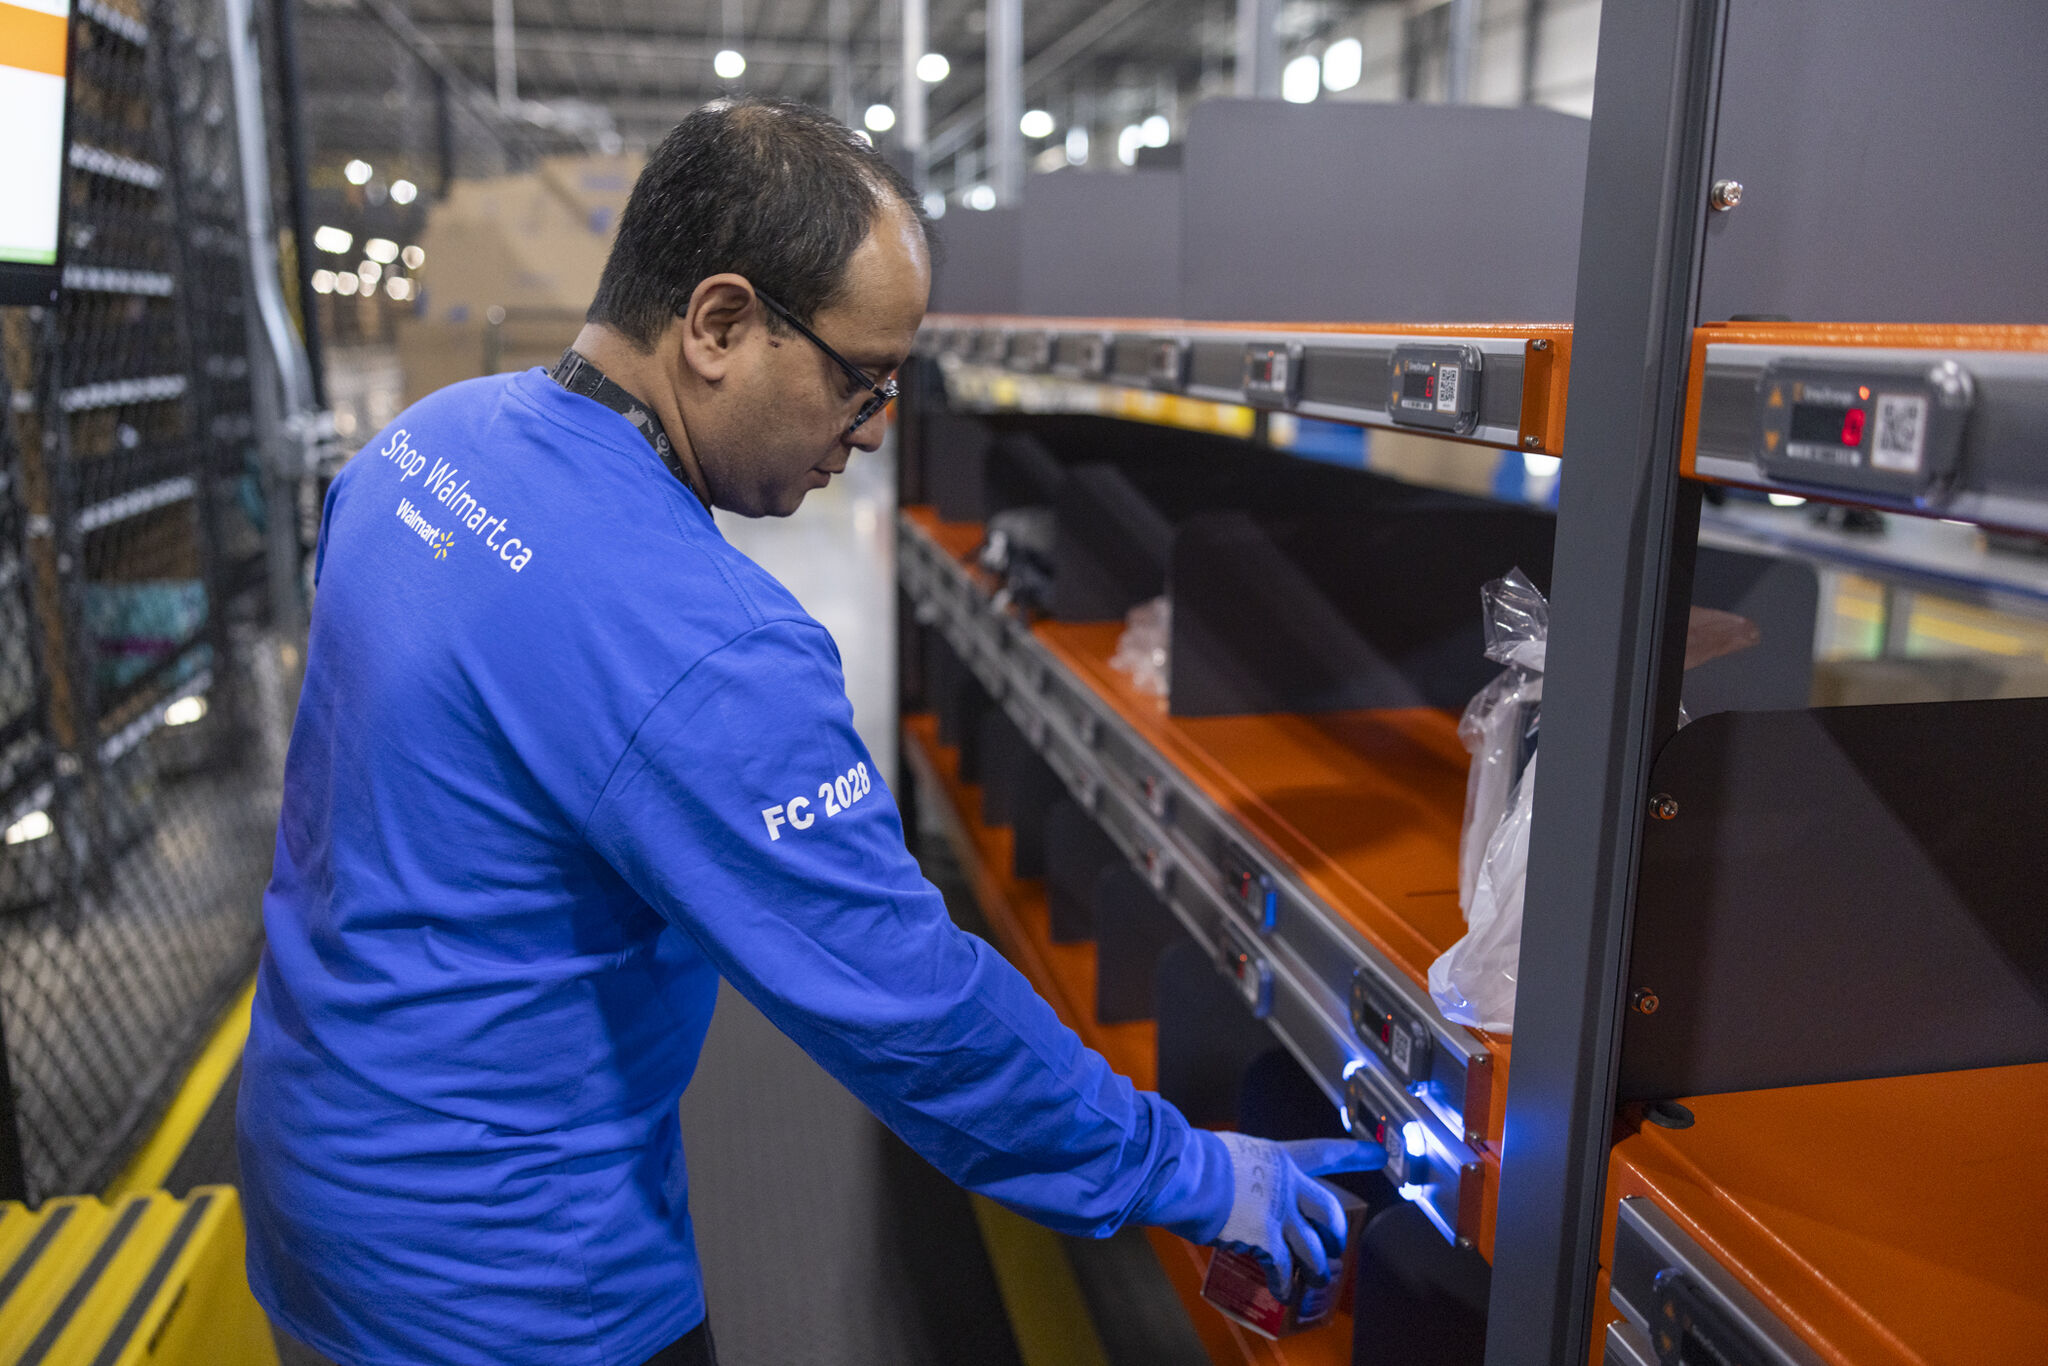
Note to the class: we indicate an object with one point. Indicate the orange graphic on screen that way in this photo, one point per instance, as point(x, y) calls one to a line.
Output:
point(31, 40)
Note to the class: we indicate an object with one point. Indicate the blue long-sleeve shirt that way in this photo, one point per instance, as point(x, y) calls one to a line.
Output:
point(564, 757)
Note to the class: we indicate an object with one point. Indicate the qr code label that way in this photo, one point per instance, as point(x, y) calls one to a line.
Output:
point(1403, 1049)
point(1901, 433)
point(1447, 389)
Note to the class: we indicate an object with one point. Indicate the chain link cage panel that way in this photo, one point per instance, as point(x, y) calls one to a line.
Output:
point(144, 692)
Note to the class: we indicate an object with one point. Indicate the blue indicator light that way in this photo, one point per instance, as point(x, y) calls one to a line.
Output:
point(1414, 1138)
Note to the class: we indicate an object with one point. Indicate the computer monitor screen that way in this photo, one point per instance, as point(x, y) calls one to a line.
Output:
point(35, 45)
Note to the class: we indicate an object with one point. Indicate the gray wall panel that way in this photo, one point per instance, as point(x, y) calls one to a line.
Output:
point(977, 269)
point(1102, 245)
point(1361, 212)
point(1891, 156)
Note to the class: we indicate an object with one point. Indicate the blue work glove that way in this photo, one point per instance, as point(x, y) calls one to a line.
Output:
point(1280, 1214)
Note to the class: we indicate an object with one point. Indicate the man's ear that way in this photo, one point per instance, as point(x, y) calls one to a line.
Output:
point(721, 312)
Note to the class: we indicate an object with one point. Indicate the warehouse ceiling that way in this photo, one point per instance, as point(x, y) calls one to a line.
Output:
point(606, 74)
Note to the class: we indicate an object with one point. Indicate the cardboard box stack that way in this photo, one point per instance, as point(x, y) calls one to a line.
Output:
point(531, 244)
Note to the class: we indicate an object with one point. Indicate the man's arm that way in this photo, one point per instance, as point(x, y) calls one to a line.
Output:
point(748, 812)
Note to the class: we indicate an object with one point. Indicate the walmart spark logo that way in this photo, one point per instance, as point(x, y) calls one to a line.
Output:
point(436, 539)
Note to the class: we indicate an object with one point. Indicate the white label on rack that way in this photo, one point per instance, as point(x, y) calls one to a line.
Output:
point(1901, 433)
point(1447, 388)
point(1402, 1048)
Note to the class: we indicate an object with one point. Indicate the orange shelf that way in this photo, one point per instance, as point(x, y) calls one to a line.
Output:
point(1065, 975)
point(1889, 1222)
point(1365, 806)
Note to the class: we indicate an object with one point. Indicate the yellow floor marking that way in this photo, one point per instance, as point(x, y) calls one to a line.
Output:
point(149, 1168)
point(1947, 628)
point(1048, 1316)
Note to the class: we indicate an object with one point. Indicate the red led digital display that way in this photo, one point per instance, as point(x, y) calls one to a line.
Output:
point(1852, 427)
point(1828, 424)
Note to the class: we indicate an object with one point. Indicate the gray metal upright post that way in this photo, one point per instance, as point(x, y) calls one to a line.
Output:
point(1459, 51)
point(1621, 582)
point(280, 379)
point(839, 23)
point(1258, 50)
point(1005, 98)
point(505, 55)
point(910, 91)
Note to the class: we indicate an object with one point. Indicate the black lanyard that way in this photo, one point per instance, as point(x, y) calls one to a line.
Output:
point(575, 373)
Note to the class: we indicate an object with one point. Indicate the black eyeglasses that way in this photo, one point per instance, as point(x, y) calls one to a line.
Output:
point(881, 393)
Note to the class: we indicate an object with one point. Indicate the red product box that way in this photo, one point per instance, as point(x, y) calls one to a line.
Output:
point(1236, 1283)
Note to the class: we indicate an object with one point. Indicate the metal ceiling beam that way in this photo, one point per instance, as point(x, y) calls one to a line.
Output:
point(665, 47)
point(1055, 57)
point(429, 54)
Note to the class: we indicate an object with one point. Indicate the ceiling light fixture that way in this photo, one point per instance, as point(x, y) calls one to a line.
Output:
point(1343, 64)
point(1301, 79)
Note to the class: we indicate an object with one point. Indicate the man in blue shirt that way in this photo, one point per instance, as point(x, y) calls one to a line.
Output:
point(563, 758)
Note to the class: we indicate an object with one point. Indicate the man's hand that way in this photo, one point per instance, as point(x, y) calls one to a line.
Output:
point(1280, 1214)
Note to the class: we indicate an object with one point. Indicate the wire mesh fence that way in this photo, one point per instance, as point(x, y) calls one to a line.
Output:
point(144, 685)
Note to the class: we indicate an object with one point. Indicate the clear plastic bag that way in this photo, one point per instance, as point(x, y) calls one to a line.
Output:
point(1474, 982)
point(1144, 651)
point(1498, 728)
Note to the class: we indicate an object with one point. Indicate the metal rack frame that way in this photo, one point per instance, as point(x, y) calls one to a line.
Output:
point(1627, 528)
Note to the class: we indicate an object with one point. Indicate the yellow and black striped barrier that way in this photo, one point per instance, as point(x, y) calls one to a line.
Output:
point(146, 1279)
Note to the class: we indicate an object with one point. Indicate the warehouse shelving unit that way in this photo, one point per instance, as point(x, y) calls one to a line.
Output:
point(1335, 936)
point(1788, 955)
point(1237, 824)
point(1241, 826)
point(1737, 1020)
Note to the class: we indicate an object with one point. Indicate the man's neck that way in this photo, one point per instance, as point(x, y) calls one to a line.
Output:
point(640, 374)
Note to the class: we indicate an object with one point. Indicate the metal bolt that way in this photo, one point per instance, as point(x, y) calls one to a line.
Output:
point(1644, 1001)
point(1532, 441)
point(1725, 195)
point(1664, 807)
point(1540, 344)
